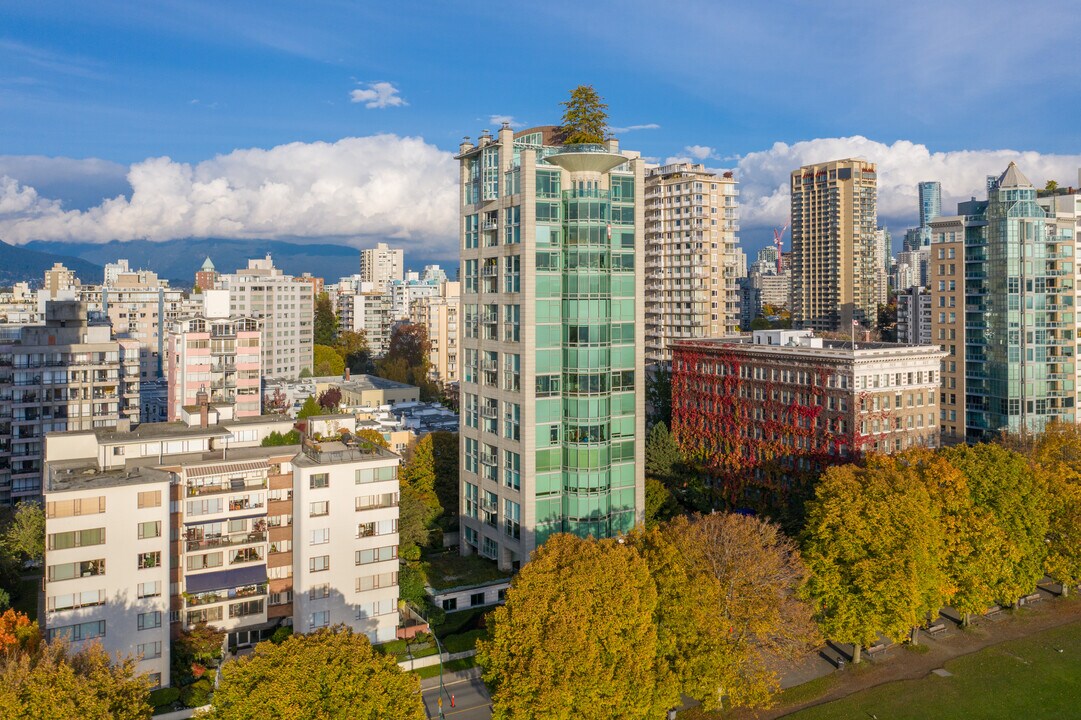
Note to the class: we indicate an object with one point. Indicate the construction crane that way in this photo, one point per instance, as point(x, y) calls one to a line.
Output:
point(779, 244)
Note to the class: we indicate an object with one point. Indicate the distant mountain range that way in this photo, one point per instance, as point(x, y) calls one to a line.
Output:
point(178, 260)
point(19, 263)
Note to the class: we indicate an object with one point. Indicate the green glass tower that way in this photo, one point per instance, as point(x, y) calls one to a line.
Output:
point(552, 389)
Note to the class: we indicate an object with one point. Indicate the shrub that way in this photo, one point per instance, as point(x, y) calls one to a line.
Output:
point(462, 642)
point(198, 693)
point(163, 696)
point(394, 647)
point(280, 634)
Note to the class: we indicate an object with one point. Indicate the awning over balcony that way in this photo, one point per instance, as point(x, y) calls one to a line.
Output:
point(224, 579)
point(226, 468)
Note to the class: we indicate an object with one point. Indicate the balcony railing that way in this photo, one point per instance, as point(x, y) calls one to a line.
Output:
point(225, 541)
point(217, 596)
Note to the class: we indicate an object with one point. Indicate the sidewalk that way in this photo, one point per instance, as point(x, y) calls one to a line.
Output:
point(449, 678)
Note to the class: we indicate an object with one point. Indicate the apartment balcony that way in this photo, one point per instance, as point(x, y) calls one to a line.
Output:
point(236, 485)
point(216, 596)
point(193, 544)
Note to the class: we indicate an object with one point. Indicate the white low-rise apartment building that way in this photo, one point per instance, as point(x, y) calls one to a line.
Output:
point(154, 529)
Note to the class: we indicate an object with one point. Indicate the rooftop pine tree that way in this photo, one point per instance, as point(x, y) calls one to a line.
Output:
point(585, 119)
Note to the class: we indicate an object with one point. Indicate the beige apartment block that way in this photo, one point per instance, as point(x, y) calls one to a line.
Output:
point(382, 264)
point(947, 276)
point(439, 314)
point(58, 279)
point(835, 274)
point(692, 217)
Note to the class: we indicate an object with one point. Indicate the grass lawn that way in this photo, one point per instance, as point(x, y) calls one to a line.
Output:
point(449, 570)
point(27, 601)
point(452, 666)
point(1026, 678)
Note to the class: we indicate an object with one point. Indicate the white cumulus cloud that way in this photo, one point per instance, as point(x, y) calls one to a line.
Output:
point(764, 175)
point(498, 120)
point(361, 187)
point(378, 95)
point(700, 152)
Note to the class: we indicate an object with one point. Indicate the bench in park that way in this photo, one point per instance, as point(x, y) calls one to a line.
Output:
point(1029, 599)
point(876, 650)
point(993, 611)
point(936, 629)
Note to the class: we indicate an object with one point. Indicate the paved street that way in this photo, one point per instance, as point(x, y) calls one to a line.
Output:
point(470, 696)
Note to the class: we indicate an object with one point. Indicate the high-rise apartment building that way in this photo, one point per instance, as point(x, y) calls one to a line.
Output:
point(286, 309)
point(168, 525)
point(930, 192)
point(58, 279)
point(834, 223)
point(553, 393)
point(68, 374)
point(692, 217)
point(439, 314)
point(914, 316)
point(369, 313)
point(1003, 303)
point(382, 264)
point(207, 275)
point(221, 356)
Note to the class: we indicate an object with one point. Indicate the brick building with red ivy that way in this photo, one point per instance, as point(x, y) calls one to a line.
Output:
point(763, 415)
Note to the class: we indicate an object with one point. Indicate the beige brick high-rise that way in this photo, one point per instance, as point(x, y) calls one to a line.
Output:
point(834, 223)
point(691, 221)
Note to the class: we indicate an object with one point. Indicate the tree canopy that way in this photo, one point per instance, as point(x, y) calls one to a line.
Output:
point(445, 455)
point(373, 436)
point(576, 637)
point(309, 408)
point(418, 505)
point(329, 674)
point(50, 681)
point(325, 327)
point(585, 117)
point(326, 361)
point(858, 517)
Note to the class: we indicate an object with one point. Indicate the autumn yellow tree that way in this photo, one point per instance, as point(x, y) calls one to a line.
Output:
point(330, 674)
point(871, 546)
point(1014, 494)
point(576, 638)
point(51, 682)
point(1057, 452)
point(728, 613)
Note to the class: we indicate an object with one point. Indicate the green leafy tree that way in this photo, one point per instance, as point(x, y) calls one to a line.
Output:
point(328, 674)
point(411, 581)
point(585, 117)
point(659, 395)
point(445, 456)
point(309, 408)
point(858, 517)
point(761, 323)
point(576, 637)
point(1004, 483)
point(325, 327)
point(353, 347)
point(326, 361)
point(25, 536)
point(1057, 452)
point(662, 454)
point(418, 505)
point(277, 439)
point(1051, 186)
point(52, 682)
point(194, 650)
point(660, 505)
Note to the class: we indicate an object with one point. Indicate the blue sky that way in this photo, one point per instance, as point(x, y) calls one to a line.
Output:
point(111, 84)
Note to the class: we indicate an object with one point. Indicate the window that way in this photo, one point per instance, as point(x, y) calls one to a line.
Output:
point(476, 599)
point(150, 589)
point(450, 604)
point(319, 508)
point(150, 620)
point(320, 536)
point(319, 564)
point(149, 651)
point(75, 633)
point(207, 560)
point(374, 582)
point(76, 538)
point(149, 560)
point(150, 498)
point(150, 529)
point(374, 555)
point(71, 601)
point(320, 480)
point(72, 508)
point(320, 619)
point(69, 571)
point(319, 592)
